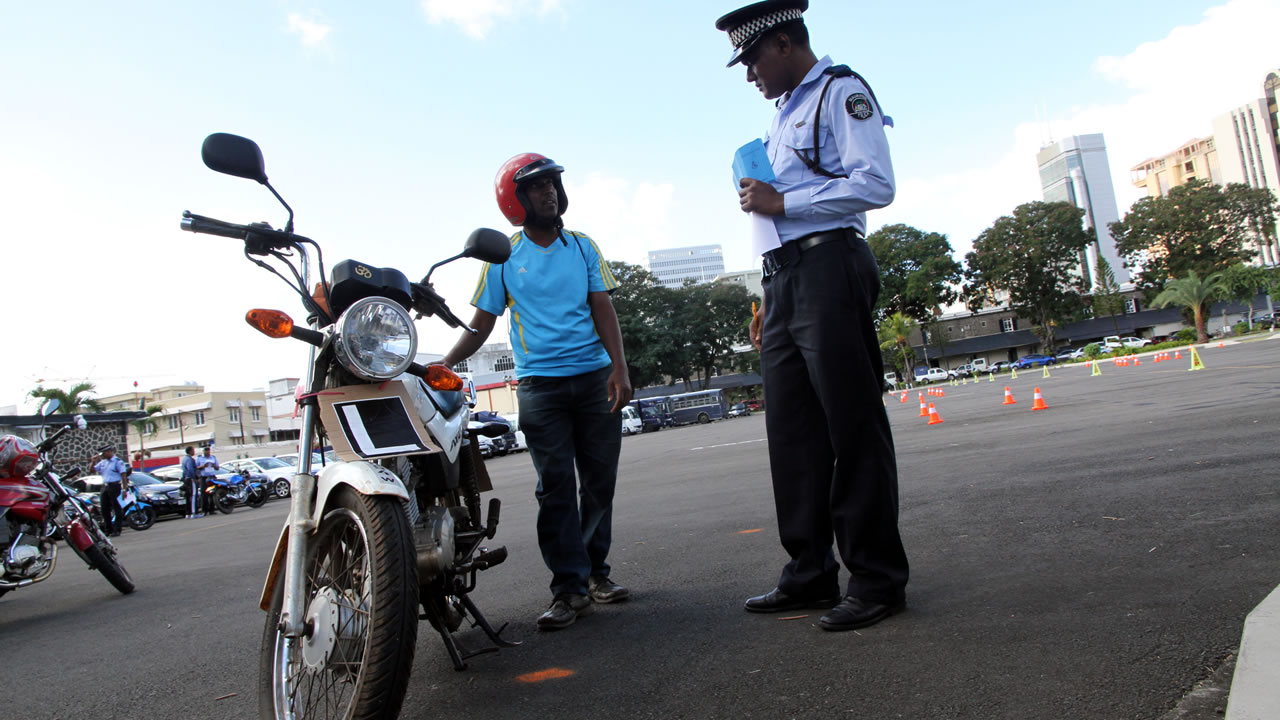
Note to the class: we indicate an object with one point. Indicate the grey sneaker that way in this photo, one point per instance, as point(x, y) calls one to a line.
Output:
point(604, 590)
point(563, 611)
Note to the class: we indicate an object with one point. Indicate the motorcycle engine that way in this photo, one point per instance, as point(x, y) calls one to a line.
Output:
point(24, 558)
point(434, 540)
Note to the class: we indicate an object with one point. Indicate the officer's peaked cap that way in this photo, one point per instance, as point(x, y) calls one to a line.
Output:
point(747, 25)
point(107, 448)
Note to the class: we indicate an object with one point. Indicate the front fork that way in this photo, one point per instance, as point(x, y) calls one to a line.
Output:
point(301, 500)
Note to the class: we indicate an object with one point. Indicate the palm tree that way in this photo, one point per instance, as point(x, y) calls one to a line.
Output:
point(74, 400)
point(146, 426)
point(1194, 293)
point(895, 332)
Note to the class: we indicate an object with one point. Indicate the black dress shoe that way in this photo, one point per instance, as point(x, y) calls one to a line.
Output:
point(777, 601)
point(853, 613)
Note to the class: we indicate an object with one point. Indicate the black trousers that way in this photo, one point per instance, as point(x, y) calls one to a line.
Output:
point(830, 447)
point(112, 514)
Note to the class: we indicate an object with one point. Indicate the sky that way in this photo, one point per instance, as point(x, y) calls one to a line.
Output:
point(383, 124)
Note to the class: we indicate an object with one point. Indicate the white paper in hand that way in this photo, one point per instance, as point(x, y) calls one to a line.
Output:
point(764, 234)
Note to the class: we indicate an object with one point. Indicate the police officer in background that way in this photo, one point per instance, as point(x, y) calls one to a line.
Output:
point(113, 471)
point(830, 448)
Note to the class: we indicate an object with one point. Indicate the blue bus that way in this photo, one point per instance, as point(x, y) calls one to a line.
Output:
point(655, 413)
point(700, 407)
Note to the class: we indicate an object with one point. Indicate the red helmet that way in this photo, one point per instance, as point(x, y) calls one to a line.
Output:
point(514, 173)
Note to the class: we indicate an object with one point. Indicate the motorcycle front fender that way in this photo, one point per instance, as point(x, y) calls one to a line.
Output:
point(365, 478)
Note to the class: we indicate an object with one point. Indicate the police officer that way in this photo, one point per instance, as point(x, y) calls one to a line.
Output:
point(830, 449)
point(113, 471)
point(191, 484)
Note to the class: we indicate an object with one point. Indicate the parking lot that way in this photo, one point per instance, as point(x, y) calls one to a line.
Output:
point(1092, 560)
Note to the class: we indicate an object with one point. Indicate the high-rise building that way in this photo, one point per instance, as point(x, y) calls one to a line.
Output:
point(1248, 140)
point(700, 263)
point(1195, 160)
point(1075, 170)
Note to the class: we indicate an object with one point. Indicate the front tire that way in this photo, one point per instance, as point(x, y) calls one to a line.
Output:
point(362, 602)
point(256, 498)
point(224, 503)
point(142, 518)
point(103, 559)
point(281, 488)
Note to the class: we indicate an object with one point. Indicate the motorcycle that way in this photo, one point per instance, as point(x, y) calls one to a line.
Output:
point(37, 510)
point(236, 490)
point(395, 524)
point(138, 513)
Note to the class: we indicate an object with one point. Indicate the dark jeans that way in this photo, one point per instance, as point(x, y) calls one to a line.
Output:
point(830, 448)
point(112, 514)
point(192, 488)
point(567, 422)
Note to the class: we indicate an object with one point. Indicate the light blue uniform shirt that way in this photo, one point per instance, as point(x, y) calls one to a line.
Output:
point(111, 470)
point(552, 332)
point(848, 146)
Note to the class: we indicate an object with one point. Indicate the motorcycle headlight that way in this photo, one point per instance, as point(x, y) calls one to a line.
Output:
point(376, 339)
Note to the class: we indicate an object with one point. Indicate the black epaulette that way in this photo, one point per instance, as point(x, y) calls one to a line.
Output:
point(833, 72)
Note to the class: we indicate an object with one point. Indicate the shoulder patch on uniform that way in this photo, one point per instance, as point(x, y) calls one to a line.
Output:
point(859, 106)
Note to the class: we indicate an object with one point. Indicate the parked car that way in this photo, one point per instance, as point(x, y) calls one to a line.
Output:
point(999, 366)
point(507, 441)
point(1069, 354)
point(316, 458)
point(753, 405)
point(1265, 319)
point(925, 376)
point(963, 371)
point(890, 381)
point(631, 422)
point(513, 420)
point(738, 410)
point(279, 472)
point(1034, 360)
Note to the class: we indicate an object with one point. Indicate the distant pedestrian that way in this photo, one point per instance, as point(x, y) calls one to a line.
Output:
point(191, 484)
point(114, 472)
point(207, 464)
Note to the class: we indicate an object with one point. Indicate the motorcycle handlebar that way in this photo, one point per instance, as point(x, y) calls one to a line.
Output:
point(259, 237)
point(52, 440)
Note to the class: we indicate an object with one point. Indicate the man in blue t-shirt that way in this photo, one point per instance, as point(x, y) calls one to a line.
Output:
point(572, 374)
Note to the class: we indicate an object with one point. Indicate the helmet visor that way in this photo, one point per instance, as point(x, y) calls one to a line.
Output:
point(535, 169)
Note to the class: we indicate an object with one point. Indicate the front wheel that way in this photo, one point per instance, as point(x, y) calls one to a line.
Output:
point(256, 497)
point(102, 557)
point(142, 518)
point(703, 418)
point(281, 488)
point(361, 608)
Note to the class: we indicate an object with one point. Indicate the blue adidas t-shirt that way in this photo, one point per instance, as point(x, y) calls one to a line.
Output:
point(552, 332)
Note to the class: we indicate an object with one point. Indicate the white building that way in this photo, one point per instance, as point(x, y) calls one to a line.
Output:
point(1247, 143)
point(284, 419)
point(1075, 170)
point(700, 263)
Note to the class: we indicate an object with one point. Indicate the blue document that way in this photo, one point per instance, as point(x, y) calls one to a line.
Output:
point(752, 161)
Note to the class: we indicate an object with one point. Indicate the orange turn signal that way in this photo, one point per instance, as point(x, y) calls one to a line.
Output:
point(440, 377)
point(272, 323)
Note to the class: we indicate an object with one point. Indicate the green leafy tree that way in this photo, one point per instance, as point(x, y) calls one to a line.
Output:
point(75, 399)
point(895, 334)
point(1107, 299)
point(1033, 256)
point(1243, 283)
point(917, 272)
point(714, 318)
point(1194, 293)
point(146, 426)
point(642, 304)
point(1198, 226)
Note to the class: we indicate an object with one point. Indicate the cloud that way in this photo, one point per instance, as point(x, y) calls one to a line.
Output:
point(1176, 86)
point(312, 32)
point(626, 219)
point(477, 17)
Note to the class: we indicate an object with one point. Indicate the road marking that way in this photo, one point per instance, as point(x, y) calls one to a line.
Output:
point(543, 675)
point(712, 447)
point(748, 532)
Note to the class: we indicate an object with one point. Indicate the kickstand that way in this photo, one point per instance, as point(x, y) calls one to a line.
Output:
point(452, 647)
point(495, 636)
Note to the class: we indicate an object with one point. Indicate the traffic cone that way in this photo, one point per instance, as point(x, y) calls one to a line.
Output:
point(1196, 362)
point(933, 415)
point(1038, 402)
point(1177, 354)
point(1013, 373)
point(991, 377)
point(942, 393)
point(924, 409)
point(1222, 344)
point(1008, 397)
point(903, 398)
point(1137, 362)
point(1046, 370)
point(1097, 369)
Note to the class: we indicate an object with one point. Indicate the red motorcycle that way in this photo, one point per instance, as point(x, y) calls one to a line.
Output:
point(37, 510)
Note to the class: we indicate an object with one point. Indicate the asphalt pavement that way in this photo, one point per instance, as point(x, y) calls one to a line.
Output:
point(1092, 560)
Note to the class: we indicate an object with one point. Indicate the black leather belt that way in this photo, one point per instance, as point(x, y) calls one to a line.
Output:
point(776, 259)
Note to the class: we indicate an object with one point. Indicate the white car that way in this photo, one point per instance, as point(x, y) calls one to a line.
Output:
point(278, 471)
point(933, 375)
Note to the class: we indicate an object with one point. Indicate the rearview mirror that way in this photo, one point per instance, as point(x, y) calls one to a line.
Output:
point(488, 245)
point(234, 155)
point(50, 407)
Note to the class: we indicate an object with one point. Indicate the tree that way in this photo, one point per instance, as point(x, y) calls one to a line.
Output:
point(1107, 299)
point(1198, 226)
point(895, 334)
point(714, 318)
point(1194, 293)
point(917, 272)
point(1033, 255)
point(1244, 282)
point(640, 302)
point(146, 426)
point(73, 400)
